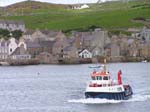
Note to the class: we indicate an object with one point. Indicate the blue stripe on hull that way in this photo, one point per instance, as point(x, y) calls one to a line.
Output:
point(110, 96)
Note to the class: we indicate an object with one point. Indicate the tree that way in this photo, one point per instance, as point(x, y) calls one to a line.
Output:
point(4, 33)
point(16, 34)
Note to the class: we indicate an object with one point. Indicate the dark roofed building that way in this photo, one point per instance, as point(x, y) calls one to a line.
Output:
point(47, 58)
point(70, 52)
point(35, 48)
point(20, 54)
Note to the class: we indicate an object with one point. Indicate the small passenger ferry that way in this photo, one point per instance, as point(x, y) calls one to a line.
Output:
point(102, 86)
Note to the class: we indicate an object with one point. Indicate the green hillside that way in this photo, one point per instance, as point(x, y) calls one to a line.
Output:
point(107, 15)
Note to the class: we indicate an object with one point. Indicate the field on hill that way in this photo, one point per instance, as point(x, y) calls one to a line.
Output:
point(109, 15)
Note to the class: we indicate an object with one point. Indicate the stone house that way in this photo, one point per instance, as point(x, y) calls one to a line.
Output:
point(101, 38)
point(107, 50)
point(112, 49)
point(85, 54)
point(97, 51)
point(27, 36)
point(38, 42)
point(13, 44)
point(20, 53)
point(47, 58)
point(115, 50)
point(51, 34)
point(61, 42)
point(77, 41)
point(94, 40)
point(47, 46)
point(144, 50)
point(133, 47)
point(82, 39)
point(87, 41)
point(38, 36)
point(145, 34)
point(35, 47)
point(70, 52)
point(123, 43)
point(12, 25)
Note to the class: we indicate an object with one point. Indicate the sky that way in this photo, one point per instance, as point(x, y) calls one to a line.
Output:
point(8, 2)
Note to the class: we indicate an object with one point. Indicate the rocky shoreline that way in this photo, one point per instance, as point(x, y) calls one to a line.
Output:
point(74, 61)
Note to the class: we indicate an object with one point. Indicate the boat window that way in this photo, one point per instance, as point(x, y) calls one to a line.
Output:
point(105, 78)
point(93, 78)
point(99, 78)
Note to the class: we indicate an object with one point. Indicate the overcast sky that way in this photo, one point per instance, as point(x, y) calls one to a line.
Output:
point(8, 2)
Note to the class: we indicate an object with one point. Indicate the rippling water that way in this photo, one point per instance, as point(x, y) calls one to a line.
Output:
point(53, 88)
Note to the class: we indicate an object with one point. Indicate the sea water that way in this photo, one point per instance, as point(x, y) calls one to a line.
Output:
point(60, 88)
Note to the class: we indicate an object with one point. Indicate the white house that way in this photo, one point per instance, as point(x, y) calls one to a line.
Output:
point(22, 42)
point(84, 6)
point(85, 54)
point(12, 45)
point(8, 47)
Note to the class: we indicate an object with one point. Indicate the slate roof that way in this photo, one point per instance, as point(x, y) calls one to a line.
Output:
point(40, 44)
point(20, 51)
point(68, 48)
point(33, 45)
point(46, 43)
point(88, 37)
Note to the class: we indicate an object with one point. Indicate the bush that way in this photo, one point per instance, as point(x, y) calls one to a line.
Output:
point(16, 34)
point(6, 34)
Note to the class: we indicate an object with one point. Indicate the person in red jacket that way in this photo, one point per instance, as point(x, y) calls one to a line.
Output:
point(119, 77)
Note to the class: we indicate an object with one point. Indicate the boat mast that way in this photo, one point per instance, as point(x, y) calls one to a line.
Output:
point(105, 65)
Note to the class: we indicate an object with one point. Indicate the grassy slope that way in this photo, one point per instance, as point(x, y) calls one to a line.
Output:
point(108, 15)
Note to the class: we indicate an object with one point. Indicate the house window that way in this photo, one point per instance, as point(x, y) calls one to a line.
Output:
point(11, 50)
point(82, 56)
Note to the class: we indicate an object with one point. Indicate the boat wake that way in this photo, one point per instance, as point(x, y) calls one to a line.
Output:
point(93, 101)
point(135, 98)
